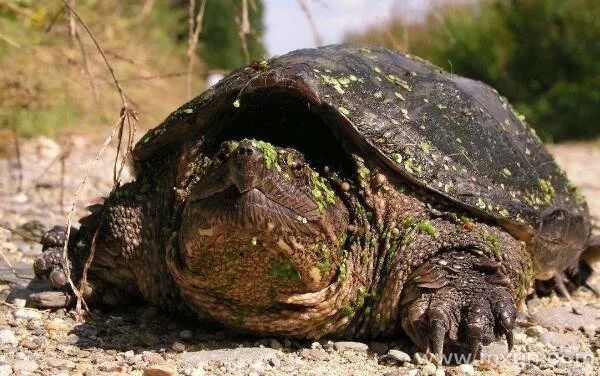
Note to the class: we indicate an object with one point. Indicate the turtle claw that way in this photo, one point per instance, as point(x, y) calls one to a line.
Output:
point(469, 312)
point(50, 264)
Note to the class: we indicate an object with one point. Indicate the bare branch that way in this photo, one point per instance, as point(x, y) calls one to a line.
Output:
point(194, 29)
point(110, 68)
point(243, 22)
point(313, 27)
point(126, 116)
point(86, 65)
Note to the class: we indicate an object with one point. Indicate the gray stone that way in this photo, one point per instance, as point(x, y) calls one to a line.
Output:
point(49, 299)
point(24, 366)
point(5, 370)
point(397, 356)
point(558, 339)
point(7, 337)
point(428, 369)
point(564, 317)
point(589, 330)
point(314, 354)
point(160, 370)
point(247, 355)
point(351, 346)
point(535, 331)
point(178, 347)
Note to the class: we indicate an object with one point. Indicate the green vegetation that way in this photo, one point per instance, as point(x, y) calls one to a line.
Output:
point(52, 81)
point(220, 42)
point(541, 54)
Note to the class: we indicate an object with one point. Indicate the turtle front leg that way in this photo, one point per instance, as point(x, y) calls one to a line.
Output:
point(115, 229)
point(463, 300)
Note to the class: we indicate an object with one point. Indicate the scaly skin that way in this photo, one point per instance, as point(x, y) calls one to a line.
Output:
point(398, 264)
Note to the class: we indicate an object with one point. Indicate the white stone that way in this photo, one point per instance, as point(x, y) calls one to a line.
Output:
point(428, 369)
point(27, 314)
point(7, 337)
point(5, 370)
point(467, 369)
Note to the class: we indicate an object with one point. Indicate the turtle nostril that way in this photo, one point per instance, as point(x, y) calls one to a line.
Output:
point(242, 150)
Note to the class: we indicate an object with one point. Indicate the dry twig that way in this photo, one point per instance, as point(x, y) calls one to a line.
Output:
point(194, 29)
point(313, 27)
point(126, 117)
point(19, 161)
point(243, 22)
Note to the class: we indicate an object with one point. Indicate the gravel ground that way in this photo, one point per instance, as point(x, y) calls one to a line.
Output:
point(550, 339)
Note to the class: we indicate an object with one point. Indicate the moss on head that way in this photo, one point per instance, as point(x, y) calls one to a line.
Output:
point(269, 152)
point(285, 272)
point(321, 192)
point(324, 263)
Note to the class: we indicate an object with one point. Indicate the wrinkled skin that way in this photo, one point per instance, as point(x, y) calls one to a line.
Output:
point(257, 239)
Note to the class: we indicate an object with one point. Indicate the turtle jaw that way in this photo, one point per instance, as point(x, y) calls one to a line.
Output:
point(254, 235)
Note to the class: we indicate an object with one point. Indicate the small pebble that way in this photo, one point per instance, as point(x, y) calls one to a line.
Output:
point(398, 356)
point(428, 369)
point(7, 337)
point(27, 314)
point(520, 338)
point(178, 347)
point(5, 370)
point(467, 369)
point(351, 346)
point(22, 366)
point(589, 330)
point(535, 331)
point(152, 357)
point(28, 344)
point(160, 370)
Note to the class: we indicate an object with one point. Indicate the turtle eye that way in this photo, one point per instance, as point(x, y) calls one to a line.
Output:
point(297, 165)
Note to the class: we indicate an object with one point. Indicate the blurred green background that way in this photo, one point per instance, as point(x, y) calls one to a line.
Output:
point(544, 55)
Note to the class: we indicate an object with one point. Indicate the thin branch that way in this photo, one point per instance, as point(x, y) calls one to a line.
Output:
point(243, 22)
point(19, 161)
point(313, 27)
point(194, 29)
point(86, 65)
point(20, 233)
point(72, 23)
point(110, 68)
point(146, 10)
point(126, 116)
point(107, 142)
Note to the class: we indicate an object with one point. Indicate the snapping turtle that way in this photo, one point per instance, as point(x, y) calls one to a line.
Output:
point(341, 190)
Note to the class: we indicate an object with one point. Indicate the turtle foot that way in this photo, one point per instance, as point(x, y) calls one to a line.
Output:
point(460, 301)
point(50, 265)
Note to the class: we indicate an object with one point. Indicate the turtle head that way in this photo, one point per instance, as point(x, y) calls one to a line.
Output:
point(260, 226)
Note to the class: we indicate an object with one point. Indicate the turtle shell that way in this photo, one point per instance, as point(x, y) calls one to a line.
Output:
point(455, 137)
